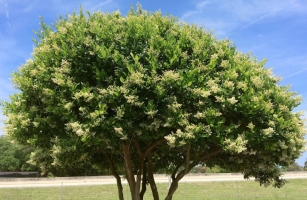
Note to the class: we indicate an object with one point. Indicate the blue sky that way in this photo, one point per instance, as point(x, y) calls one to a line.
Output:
point(275, 30)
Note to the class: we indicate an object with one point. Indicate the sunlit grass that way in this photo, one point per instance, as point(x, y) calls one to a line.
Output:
point(294, 189)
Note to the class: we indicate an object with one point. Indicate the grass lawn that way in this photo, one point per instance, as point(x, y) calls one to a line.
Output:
point(294, 189)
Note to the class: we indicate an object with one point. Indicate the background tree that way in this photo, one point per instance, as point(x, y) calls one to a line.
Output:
point(294, 167)
point(14, 157)
point(146, 93)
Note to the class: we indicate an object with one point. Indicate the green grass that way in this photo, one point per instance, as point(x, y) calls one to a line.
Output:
point(294, 189)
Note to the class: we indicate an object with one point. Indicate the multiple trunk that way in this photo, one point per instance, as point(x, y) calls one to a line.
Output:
point(137, 177)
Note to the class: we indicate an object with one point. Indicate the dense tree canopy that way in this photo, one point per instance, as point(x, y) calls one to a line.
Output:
point(14, 157)
point(146, 92)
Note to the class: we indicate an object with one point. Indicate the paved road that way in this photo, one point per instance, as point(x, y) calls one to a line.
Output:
point(101, 180)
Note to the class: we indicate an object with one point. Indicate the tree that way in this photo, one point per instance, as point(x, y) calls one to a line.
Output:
point(147, 93)
point(294, 167)
point(305, 166)
point(14, 157)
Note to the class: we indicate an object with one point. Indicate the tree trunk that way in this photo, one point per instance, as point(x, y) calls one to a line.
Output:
point(151, 179)
point(135, 183)
point(117, 177)
point(129, 172)
point(172, 190)
point(119, 188)
point(143, 183)
point(188, 167)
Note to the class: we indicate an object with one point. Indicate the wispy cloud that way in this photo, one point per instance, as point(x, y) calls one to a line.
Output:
point(296, 73)
point(30, 6)
point(199, 8)
point(239, 13)
point(7, 11)
point(6, 89)
point(94, 7)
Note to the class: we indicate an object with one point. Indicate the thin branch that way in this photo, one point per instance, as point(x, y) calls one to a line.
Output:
point(153, 145)
point(176, 169)
point(187, 159)
point(193, 164)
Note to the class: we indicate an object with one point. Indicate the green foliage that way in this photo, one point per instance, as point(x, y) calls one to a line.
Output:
point(13, 157)
point(217, 169)
point(294, 167)
point(106, 90)
point(213, 169)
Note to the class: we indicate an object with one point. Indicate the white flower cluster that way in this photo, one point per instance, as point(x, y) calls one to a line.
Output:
point(233, 75)
point(134, 100)
point(75, 127)
point(258, 83)
point(62, 30)
point(255, 99)
point(214, 56)
point(241, 85)
point(119, 131)
point(171, 140)
point(68, 106)
point(175, 106)
point(232, 100)
point(88, 41)
point(136, 78)
point(199, 115)
point(268, 131)
point(236, 146)
point(59, 80)
point(170, 76)
point(42, 49)
point(83, 111)
point(225, 63)
point(88, 96)
point(268, 105)
point(251, 126)
point(155, 125)
point(283, 108)
point(200, 92)
point(120, 111)
point(34, 72)
point(36, 124)
point(282, 144)
point(271, 123)
point(180, 136)
point(47, 92)
point(151, 113)
point(219, 99)
point(229, 84)
point(213, 86)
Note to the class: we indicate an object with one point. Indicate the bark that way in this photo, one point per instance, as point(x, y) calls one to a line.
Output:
point(151, 179)
point(172, 190)
point(135, 184)
point(117, 177)
point(129, 172)
point(188, 167)
point(144, 178)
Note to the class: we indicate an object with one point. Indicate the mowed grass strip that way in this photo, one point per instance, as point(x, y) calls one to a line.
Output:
point(294, 189)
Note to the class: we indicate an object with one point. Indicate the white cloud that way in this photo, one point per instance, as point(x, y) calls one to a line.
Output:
point(30, 6)
point(6, 89)
point(296, 73)
point(63, 8)
point(225, 16)
point(7, 11)
point(94, 7)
